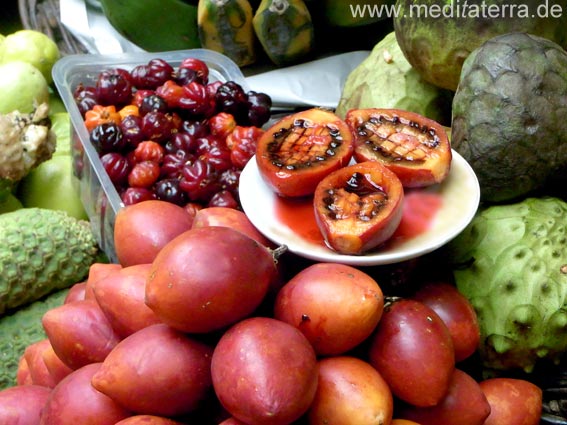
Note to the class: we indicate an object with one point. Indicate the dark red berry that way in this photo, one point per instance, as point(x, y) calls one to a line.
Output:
point(197, 65)
point(229, 179)
point(151, 75)
point(219, 156)
point(113, 87)
point(107, 137)
point(230, 97)
point(199, 180)
point(131, 127)
point(259, 108)
point(169, 190)
point(117, 168)
point(139, 96)
point(152, 103)
point(196, 101)
point(85, 98)
point(185, 76)
point(195, 128)
point(223, 198)
point(181, 141)
point(133, 195)
point(173, 163)
point(157, 126)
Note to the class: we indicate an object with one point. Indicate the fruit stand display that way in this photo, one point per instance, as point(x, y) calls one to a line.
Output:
point(176, 251)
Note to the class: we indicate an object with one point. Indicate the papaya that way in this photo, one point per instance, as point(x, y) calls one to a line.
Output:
point(285, 30)
point(154, 25)
point(353, 13)
point(225, 26)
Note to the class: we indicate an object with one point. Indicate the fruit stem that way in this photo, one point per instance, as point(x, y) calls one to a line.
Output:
point(278, 252)
point(390, 299)
point(279, 6)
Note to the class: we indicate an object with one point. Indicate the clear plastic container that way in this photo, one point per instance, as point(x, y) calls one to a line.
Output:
point(98, 194)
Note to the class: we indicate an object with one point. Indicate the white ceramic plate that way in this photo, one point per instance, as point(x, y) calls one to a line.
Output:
point(459, 196)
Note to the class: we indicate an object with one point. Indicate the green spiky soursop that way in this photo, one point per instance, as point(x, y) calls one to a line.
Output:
point(509, 115)
point(20, 329)
point(385, 79)
point(41, 251)
point(511, 263)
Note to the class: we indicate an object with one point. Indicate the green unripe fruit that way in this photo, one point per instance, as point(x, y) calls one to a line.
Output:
point(385, 79)
point(33, 47)
point(23, 87)
point(511, 263)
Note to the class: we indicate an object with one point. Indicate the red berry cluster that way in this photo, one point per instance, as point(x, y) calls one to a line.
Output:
point(171, 134)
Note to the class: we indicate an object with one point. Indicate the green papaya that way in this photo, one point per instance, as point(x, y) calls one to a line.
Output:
point(225, 26)
point(154, 25)
point(354, 13)
point(285, 30)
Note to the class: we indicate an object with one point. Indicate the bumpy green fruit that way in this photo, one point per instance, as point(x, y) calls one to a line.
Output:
point(42, 251)
point(509, 114)
point(385, 79)
point(20, 329)
point(511, 263)
point(437, 35)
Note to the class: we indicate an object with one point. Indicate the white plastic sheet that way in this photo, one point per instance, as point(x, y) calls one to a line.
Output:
point(314, 83)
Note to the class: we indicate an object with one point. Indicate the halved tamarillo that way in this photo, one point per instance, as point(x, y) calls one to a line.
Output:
point(414, 147)
point(299, 150)
point(358, 207)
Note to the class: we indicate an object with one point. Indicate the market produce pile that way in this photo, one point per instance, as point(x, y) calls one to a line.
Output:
point(202, 319)
point(279, 32)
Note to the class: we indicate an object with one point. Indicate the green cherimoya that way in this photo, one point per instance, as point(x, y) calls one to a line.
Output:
point(42, 250)
point(437, 35)
point(385, 79)
point(26, 140)
point(510, 115)
point(511, 263)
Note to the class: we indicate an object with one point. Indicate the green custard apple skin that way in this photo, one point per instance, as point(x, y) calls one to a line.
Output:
point(41, 251)
point(511, 263)
point(385, 79)
point(20, 329)
point(437, 35)
point(508, 115)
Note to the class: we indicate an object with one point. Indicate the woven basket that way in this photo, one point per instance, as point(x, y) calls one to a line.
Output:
point(44, 16)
